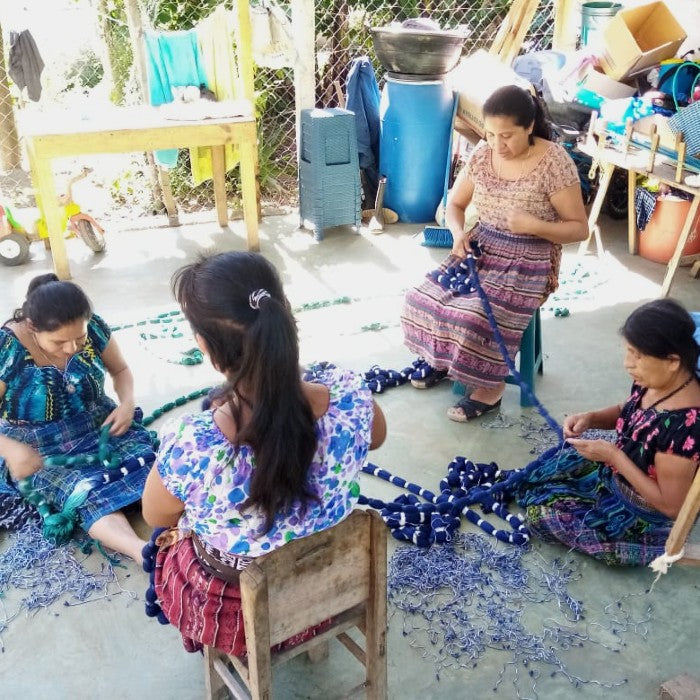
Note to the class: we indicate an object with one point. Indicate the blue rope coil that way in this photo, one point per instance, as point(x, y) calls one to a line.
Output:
point(149, 553)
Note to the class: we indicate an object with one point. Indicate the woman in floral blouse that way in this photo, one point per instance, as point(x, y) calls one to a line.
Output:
point(278, 458)
point(617, 501)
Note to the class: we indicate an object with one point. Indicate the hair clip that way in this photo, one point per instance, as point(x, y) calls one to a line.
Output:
point(256, 297)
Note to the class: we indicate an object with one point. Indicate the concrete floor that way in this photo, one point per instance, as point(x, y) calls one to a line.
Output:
point(109, 649)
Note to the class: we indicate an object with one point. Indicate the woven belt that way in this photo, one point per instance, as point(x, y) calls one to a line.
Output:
point(214, 566)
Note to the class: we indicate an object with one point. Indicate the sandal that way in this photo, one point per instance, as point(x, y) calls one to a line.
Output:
point(435, 377)
point(467, 409)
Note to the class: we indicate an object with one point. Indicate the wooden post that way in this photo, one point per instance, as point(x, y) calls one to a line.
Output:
point(160, 179)
point(304, 31)
point(565, 25)
point(510, 35)
point(9, 143)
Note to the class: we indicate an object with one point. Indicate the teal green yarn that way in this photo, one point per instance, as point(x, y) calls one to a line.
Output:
point(57, 527)
point(170, 405)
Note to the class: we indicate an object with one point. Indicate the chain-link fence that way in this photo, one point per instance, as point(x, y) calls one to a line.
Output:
point(89, 63)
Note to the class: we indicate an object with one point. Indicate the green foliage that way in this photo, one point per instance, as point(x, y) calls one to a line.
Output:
point(121, 57)
point(181, 14)
point(85, 72)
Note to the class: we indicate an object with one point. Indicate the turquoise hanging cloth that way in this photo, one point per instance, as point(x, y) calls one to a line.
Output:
point(173, 60)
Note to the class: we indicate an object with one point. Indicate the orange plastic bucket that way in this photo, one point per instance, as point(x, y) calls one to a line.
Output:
point(658, 240)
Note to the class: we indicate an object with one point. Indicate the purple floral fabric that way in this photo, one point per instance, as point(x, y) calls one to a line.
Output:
point(199, 466)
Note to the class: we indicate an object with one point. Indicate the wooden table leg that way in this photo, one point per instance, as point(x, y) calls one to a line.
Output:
point(249, 191)
point(218, 169)
point(168, 199)
point(632, 240)
point(43, 180)
point(682, 239)
point(607, 170)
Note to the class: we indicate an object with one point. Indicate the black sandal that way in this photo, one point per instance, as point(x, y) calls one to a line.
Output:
point(435, 377)
point(470, 409)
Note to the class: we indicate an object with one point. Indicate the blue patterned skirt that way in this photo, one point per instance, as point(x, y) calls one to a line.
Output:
point(587, 507)
point(79, 435)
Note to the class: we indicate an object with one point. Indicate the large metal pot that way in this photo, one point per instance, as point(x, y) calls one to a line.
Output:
point(417, 53)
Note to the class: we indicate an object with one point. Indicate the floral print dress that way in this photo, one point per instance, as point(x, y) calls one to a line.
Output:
point(641, 433)
point(201, 467)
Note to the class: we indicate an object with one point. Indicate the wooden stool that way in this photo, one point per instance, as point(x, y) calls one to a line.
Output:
point(531, 361)
point(338, 573)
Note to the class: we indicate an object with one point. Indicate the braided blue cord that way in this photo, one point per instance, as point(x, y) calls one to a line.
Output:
point(149, 553)
point(474, 277)
point(466, 484)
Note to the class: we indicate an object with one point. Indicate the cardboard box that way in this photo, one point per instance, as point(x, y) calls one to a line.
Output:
point(667, 137)
point(639, 37)
point(475, 79)
point(605, 86)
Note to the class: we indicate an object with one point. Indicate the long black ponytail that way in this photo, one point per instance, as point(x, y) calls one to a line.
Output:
point(236, 303)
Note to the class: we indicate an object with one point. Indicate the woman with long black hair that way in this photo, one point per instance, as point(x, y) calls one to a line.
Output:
point(276, 459)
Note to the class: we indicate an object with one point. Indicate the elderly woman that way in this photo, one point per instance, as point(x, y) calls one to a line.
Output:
point(617, 501)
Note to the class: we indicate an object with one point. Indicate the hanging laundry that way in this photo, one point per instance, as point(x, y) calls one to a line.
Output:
point(25, 63)
point(644, 205)
point(272, 36)
point(173, 60)
point(215, 39)
point(362, 98)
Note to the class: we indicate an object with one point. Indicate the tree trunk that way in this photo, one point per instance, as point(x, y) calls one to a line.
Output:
point(9, 143)
point(103, 29)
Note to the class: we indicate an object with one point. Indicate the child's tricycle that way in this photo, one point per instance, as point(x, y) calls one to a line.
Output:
point(14, 239)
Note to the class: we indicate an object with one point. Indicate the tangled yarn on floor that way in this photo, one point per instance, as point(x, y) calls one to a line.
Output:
point(47, 572)
point(460, 599)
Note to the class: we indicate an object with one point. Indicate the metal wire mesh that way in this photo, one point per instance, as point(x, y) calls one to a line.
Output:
point(97, 69)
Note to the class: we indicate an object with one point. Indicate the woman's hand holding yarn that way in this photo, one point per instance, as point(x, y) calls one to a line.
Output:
point(120, 418)
point(460, 245)
point(595, 450)
point(576, 424)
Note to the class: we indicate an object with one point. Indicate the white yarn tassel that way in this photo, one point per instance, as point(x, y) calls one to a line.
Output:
point(663, 563)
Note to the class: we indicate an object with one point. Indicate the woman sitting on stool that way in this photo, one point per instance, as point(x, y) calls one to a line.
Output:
point(527, 193)
point(276, 460)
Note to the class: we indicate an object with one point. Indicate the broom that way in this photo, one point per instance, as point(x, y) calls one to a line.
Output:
point(441, 236)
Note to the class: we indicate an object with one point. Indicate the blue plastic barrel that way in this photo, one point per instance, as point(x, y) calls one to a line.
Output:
point(415, 127)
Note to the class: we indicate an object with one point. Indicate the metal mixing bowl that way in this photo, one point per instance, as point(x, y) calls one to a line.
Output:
point(417, 52)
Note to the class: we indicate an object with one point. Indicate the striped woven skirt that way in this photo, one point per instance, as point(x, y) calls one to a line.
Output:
point(206, 609)
point(588, 508)
point(451, 332)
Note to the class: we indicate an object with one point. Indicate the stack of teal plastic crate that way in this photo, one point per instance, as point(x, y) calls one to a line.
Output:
point(329, 170)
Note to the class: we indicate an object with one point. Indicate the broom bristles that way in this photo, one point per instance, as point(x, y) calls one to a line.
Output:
point(437, 237)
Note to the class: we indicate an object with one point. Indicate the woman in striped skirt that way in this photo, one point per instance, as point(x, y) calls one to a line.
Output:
point(527, 194)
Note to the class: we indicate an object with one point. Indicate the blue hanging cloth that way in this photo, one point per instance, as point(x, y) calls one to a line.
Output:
point(362, 98)
point(173, 60)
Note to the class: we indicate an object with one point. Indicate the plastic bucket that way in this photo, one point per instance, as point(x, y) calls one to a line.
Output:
point(415, 128)
point(658, 240)
point(594, 18)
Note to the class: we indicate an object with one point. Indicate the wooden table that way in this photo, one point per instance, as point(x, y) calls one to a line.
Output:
point(636, 163)
point(143, 128)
